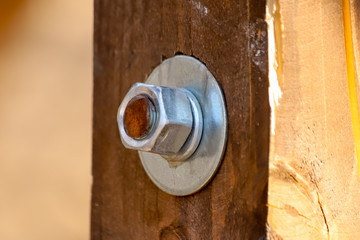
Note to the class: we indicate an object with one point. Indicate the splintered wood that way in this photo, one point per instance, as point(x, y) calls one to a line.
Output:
point(314, 184)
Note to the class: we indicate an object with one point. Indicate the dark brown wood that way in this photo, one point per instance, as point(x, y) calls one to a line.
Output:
point(131, 39)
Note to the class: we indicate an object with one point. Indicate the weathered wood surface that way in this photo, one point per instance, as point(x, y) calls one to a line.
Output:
point(314, 184)
point(131, 38)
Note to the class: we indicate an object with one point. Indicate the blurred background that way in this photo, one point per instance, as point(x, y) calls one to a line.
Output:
point(45, 118)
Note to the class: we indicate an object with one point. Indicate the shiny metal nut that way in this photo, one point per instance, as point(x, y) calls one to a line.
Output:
point(166, 123)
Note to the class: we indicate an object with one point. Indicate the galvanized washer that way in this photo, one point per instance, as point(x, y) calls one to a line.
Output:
point(182, 178)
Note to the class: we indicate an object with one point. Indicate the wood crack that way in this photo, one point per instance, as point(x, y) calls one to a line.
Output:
point(322, 211)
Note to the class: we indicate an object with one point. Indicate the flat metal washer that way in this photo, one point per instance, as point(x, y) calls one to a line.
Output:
point(183, 178)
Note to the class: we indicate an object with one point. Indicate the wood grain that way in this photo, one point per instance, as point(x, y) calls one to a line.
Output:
point(314, 185)
point(130, 39)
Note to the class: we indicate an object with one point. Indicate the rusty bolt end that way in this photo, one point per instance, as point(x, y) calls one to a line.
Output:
point(139, 117)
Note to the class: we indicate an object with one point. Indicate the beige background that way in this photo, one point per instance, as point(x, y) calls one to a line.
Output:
point(45, 119)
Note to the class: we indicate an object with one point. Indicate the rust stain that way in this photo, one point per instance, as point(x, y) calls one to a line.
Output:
point(137, 117)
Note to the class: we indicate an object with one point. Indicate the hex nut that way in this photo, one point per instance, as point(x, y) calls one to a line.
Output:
point(173, 121)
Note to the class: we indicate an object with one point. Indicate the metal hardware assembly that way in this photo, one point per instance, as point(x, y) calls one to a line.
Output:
point(177, 122)
point(166, 121)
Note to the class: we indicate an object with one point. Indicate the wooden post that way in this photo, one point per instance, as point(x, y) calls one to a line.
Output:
point(131, 39)
point(314, 184)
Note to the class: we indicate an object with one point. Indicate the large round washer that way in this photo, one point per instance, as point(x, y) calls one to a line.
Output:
point(189, 176)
